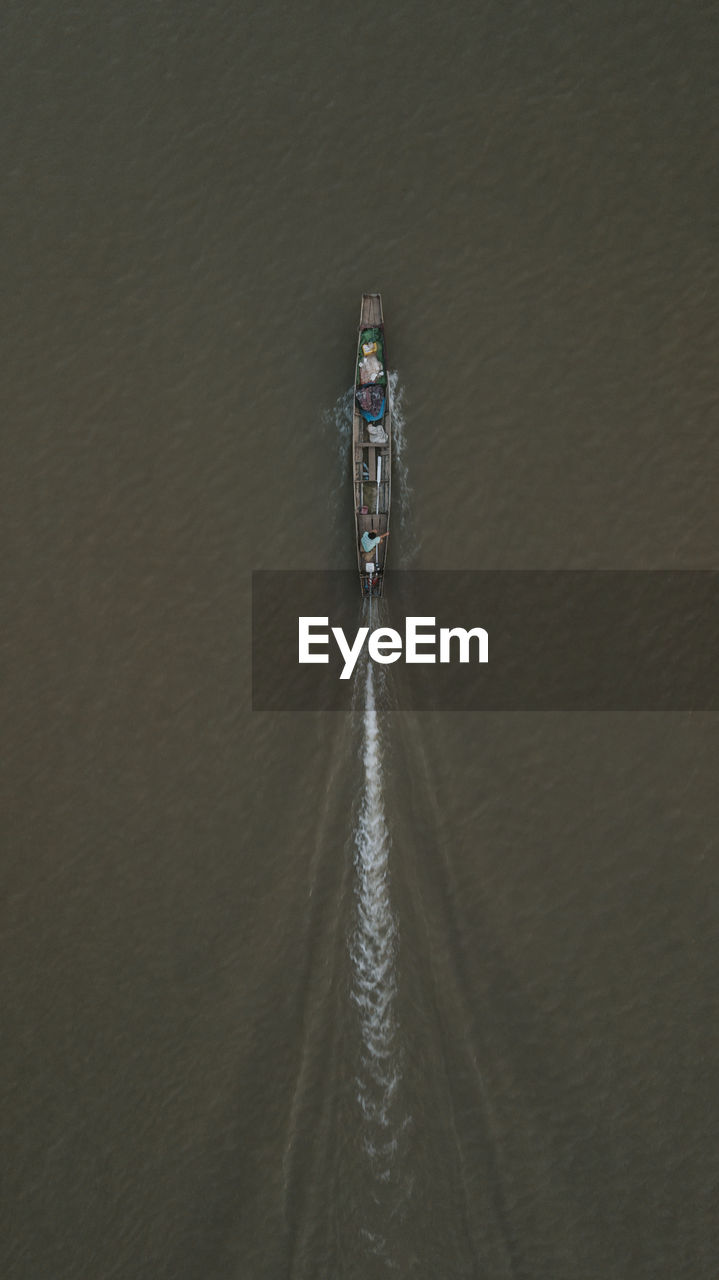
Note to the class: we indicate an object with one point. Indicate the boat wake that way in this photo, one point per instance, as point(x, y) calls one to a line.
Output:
point(401, 488)
point(337, 427)
point(374, 946)
point(339, 420)
point(381, 1122)
point(373, 951)
point(375, 941)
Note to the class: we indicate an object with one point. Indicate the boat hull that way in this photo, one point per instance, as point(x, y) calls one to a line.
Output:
point(371, 445)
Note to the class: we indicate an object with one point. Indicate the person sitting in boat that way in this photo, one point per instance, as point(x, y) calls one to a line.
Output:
point(369, 540)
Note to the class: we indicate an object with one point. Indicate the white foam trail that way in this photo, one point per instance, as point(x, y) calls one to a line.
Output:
point(340, 417)
point(375, 940)
point(401, 487)
point(374, 951)
point(337, 427)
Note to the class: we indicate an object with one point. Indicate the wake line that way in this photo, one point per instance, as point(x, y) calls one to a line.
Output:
point(373, 952)
point(375, 942)
point(403, 556)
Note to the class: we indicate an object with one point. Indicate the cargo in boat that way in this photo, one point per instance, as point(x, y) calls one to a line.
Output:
point(371, 447)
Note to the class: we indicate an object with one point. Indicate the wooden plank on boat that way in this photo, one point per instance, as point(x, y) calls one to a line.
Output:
point(371, 313)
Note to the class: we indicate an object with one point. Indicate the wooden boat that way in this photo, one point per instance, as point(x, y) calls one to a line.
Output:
point(371, 444)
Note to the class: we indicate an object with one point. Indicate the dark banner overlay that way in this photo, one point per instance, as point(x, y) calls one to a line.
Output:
point(564, 640)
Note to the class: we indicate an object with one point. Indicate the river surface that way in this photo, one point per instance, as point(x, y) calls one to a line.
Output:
point(324, 996)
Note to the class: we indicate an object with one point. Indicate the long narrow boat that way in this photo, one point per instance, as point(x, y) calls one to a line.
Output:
point(371, 445)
